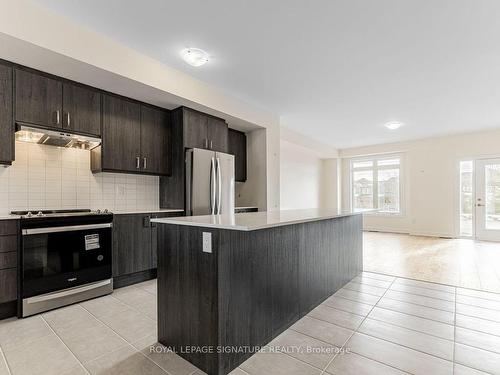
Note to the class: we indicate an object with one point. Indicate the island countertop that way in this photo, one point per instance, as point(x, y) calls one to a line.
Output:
point(255, 220)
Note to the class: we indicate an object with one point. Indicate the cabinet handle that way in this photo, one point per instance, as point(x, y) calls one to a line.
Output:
point(210, 144)
point(145, 163)
point(206, 143)
point(58, 117)
point(138, 162)
point(69, 119)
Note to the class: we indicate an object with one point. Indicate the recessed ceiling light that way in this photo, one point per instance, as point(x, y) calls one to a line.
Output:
point(194, 56)
point(393, 125)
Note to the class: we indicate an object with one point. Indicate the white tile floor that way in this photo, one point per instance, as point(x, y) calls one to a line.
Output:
point(379, 324)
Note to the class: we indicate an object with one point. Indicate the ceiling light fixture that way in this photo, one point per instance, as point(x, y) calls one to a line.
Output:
point(393, 125)
point(194, 56)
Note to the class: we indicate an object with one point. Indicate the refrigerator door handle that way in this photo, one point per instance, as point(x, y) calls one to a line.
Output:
point(219, 181)
point(212, 186)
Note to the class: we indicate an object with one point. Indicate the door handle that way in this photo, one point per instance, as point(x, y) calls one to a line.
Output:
point(145, 163)
point(138, 162)
point(212, 186)
point(480, 205)
point(58, 117)
point(219, 188)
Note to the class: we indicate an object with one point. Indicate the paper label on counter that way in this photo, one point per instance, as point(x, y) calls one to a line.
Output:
point(92, 242)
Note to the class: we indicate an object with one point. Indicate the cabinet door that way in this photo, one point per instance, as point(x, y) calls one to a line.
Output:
point(155, 141)
point(237, 146)
point(195, 129)
point(38, 99)
point(6, 119)
point(131, 244)
point(82, 109)
point(217, 134)
point(121, 135)
point(154, 234)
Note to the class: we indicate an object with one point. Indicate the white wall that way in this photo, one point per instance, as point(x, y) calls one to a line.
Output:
point(48, 177)
point(430, 175)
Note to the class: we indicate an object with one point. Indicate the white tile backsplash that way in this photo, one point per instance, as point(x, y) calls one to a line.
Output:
point(48, 177)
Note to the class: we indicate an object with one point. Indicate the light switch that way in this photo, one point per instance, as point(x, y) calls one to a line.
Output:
point(207, 242)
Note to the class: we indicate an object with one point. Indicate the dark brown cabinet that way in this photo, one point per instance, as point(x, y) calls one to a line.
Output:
point(6, 117)
point(82, 109)
point(53, 103)
point(156, 139)
point(204, 131)
point(38, 99)
point(9, 247)
point(136, 138)
point(121, 134)
point(135, 246)
point(237, 146)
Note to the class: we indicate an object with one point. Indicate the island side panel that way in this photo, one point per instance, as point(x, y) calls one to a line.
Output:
point(187, 293)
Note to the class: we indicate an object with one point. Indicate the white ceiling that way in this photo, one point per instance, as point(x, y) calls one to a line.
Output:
point(335, 70)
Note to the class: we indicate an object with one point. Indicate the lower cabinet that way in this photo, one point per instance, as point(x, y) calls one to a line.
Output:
point(135, 247)
point(9, 247)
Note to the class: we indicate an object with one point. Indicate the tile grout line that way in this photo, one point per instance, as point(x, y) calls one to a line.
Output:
point(66, 346)
point(128, 343)
point(356, 330)
point(5, 361)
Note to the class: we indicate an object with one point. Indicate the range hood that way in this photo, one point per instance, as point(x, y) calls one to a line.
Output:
point(59, 138)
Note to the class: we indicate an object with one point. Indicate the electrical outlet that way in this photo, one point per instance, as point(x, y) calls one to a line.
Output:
point(207, 242)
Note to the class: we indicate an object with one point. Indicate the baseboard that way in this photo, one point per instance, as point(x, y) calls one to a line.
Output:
point(8, 309)
point(133, 278)
point(398, 231)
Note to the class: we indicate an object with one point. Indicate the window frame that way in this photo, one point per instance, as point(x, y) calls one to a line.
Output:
point(375, 168)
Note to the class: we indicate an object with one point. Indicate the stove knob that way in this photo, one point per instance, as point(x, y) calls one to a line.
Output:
point(98, 211)
point(29, 214)
point(40, 213)
point(106, 211)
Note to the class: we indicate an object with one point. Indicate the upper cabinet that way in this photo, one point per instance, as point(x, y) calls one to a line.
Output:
point(81, 109)
point(203, 131)
point(53, 103)
point(38, 99)
point(6, 117)
point(237, 146)
point(156, 139)
point(136, 138)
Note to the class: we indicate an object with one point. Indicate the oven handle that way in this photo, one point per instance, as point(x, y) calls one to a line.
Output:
point(68, 228)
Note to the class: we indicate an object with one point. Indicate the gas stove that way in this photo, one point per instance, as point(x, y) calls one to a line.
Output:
point(58, 213)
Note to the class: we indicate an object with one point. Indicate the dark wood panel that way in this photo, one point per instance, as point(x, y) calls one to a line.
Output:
point(8, 227)
point(217, 133)
point(38, 99)
point(188, 281)
point(156, 141)
point(195, 129)
point(7, 149)
point(121, 132)
point(82, 109)
point(131, 244)
point(237, 146)
point(8, 260)
point(154, 233)
point(8, 243)
point(133, 278)
point(8, 282)
point(8, 309)
point(172, 190)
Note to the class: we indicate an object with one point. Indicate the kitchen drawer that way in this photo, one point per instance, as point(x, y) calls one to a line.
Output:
point(8, 227)
point(8, 260)
point(8, 243)
point(8, 282)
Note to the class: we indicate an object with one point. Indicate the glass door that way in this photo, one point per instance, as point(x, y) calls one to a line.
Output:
point(487, 200)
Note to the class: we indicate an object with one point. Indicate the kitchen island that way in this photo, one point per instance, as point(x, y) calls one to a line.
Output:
point(230, 284)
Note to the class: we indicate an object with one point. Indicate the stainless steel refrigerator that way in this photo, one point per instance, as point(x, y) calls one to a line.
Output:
point(209, 182)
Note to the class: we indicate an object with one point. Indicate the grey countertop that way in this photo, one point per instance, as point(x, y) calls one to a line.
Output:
point(254, 220)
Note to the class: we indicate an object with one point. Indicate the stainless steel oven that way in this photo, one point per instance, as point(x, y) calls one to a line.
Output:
point(65, 259)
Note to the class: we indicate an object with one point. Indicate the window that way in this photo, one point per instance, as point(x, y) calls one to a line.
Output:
point(376, 184)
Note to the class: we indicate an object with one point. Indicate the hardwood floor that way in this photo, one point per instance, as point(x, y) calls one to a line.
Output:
point(458, 262)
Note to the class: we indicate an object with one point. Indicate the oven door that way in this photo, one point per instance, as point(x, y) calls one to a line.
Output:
point(65, 256)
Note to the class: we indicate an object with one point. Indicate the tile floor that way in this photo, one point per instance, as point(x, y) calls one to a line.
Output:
point(460, 262)
point(376, 324)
